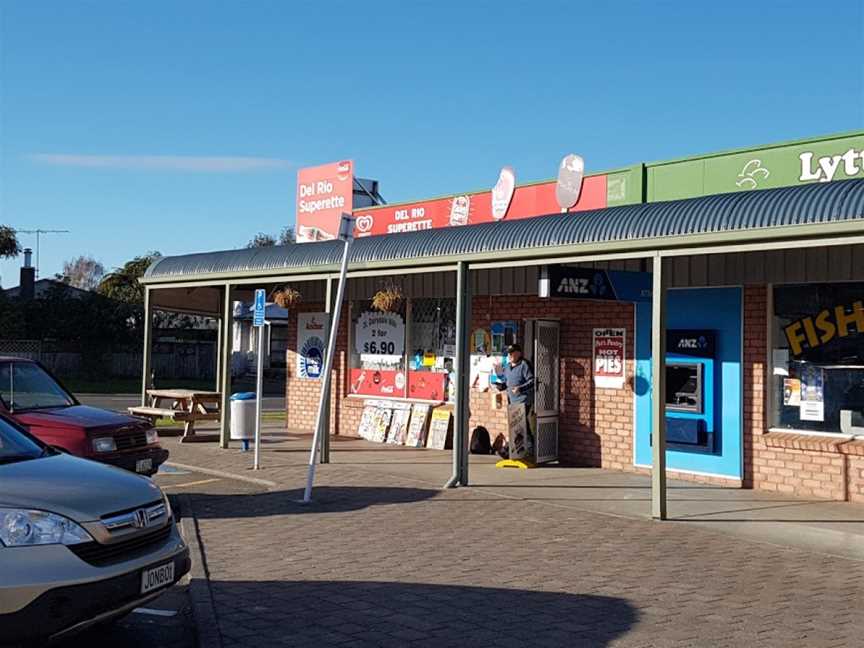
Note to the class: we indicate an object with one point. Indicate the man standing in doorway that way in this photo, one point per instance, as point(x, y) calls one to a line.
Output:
point(518, 379)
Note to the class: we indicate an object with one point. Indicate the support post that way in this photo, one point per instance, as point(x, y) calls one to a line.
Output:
point(658, 389)
point(463, 386)
point(148, 346)
point(219, 334)
point(346, 235)
point(325, 384)
point(225, 364)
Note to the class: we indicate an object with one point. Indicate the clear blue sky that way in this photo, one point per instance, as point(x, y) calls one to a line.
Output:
point(427, 97)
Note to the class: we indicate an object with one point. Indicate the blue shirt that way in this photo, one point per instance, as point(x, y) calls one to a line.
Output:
point(519, 375)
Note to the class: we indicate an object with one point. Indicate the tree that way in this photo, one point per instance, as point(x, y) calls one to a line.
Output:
point(262, 239)
point(9, 246)
point(123, 285)
point(83, 272)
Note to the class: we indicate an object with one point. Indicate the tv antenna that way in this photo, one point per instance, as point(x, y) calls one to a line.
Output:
point(38, 232)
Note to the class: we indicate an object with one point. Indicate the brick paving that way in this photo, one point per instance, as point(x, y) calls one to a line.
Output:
point(383, 560)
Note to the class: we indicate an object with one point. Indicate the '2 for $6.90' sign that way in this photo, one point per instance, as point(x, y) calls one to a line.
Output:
point(379, 334)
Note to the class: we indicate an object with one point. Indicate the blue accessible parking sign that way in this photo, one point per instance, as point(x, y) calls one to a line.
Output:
point(260, 305)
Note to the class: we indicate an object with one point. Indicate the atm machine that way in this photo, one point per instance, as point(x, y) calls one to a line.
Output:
point(691, 395)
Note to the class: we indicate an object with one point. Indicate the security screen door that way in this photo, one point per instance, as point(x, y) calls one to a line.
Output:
point(546, 388)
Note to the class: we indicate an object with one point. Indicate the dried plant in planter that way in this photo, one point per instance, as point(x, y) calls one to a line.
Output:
point(388, 300)
point(286, 297)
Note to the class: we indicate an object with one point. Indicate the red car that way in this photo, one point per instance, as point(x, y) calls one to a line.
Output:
point(33, 397)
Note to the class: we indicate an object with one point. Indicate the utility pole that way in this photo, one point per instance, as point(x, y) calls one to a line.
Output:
point(38, 232)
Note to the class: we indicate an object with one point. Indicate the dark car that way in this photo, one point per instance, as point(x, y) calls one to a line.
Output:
point(31, 396)
point(81, 543)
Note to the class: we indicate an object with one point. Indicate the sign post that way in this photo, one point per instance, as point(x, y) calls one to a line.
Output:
point(260, 323)
point(346, 235)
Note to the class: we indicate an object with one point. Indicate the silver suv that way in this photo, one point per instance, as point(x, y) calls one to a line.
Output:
point(80, 542)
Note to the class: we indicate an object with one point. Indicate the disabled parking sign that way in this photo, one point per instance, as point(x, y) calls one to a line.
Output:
point(260, 305)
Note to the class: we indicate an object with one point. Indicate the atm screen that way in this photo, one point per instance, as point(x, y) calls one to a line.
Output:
point(684, 387)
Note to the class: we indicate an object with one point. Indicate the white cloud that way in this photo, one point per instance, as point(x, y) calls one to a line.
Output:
point(162, 162)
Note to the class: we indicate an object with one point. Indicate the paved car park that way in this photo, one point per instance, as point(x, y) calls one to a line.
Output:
point(384, 558)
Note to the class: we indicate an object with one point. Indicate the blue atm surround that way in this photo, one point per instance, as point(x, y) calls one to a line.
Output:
point(717, 430)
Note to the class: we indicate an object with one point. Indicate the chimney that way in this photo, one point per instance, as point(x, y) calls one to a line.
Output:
point(27, 286)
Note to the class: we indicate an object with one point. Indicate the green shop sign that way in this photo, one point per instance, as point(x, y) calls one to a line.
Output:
point(779, 165)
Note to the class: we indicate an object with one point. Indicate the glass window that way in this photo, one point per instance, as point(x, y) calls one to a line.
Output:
point(25, 385)
point(15, 446)
point(377, 354)
point(432, 349)
point(818, 357)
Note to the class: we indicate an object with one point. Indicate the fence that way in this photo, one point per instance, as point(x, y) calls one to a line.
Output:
point(171, 360)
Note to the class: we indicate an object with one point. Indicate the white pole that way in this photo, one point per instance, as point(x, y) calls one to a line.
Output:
point(345, 233)
point(259, 387)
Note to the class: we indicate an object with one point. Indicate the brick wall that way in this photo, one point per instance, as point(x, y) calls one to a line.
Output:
point(596, 426)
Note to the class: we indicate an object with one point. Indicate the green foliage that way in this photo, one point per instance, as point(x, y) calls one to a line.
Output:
point(123, 284)
point(262, 239)
point(9, 246)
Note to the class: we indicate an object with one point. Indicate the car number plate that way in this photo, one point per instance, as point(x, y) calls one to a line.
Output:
point(144, 465)
point(161, 576)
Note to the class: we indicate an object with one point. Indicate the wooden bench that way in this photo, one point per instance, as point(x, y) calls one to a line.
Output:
point(155, 413)
point(186, 406)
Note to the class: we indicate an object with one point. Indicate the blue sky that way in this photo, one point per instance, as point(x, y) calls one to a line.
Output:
point(179, 127)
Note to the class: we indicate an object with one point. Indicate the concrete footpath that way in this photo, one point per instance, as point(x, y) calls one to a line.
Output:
point(551, 557)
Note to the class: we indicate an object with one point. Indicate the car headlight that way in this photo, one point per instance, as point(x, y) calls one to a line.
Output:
point(104, 444)
point(22, 528)
point(152, 436)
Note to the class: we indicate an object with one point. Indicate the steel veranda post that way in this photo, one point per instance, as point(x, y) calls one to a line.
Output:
point(225, 363)
point(325, 418)
point(148, 346)
point(658, 389)
point(345, 234)
point(461, 413)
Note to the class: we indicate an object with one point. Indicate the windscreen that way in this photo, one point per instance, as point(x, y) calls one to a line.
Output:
point(26, 386)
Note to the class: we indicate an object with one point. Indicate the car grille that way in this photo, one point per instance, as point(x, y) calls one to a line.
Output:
point(100, 555)
point(129, 441)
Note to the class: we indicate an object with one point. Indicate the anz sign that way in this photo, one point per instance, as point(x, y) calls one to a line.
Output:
point(576, 283)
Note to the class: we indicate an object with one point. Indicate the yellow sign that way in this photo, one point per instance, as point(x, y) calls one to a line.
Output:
point(824, 327)
point(429, 359)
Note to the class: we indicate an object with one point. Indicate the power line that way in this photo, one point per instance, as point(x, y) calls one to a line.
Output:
point(38, 232)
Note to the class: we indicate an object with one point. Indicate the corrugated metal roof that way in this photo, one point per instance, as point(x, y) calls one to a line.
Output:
point(810, 204)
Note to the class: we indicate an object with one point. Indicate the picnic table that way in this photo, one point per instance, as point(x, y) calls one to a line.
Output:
point(186, 405)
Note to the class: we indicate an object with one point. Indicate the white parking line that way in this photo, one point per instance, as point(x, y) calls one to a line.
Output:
point(154, 612)
point(194, 483)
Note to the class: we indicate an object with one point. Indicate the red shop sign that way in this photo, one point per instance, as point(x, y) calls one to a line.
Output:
point(427, 385)
point(377, 382)
point(469, 209)
point(324, 193)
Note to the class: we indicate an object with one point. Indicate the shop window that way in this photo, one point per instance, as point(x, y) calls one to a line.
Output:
point(818, 357)
point(377, 353)
point(432, 349)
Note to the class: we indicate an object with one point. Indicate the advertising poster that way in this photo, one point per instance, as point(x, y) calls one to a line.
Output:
point(399, 423)
point(439, 429)
point(517, 431)
point(417, 426)
point(608, 351)
point(812, 394)
point(377, 382)
point(324, 193)
point(311, 330)
point(377, 334)
point(791, 392)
